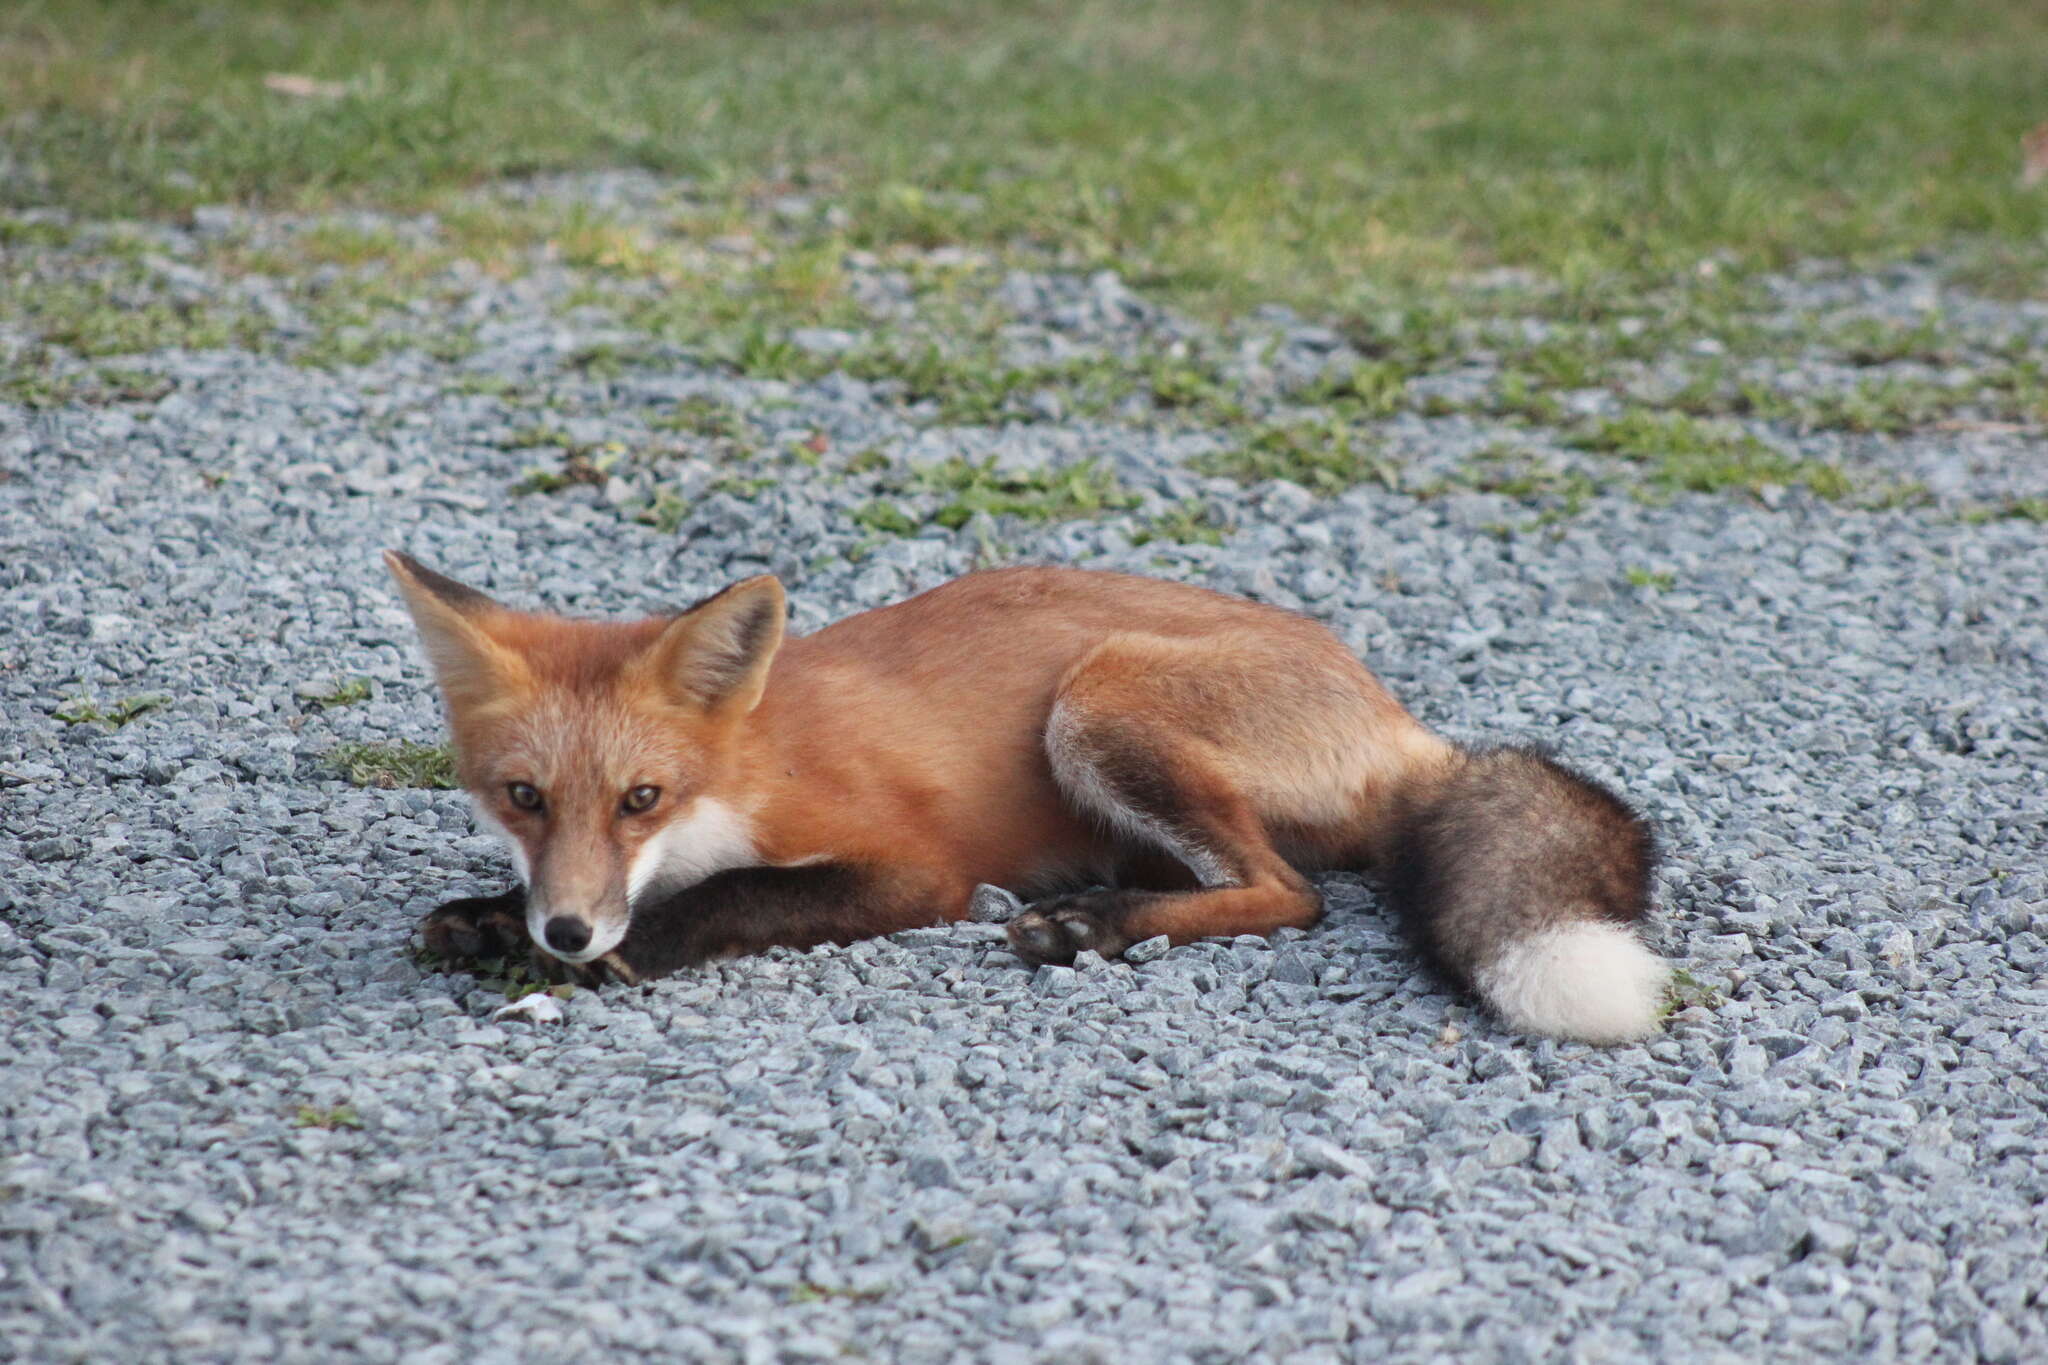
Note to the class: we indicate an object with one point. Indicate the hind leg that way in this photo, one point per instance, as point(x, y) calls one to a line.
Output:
point(1123, 759)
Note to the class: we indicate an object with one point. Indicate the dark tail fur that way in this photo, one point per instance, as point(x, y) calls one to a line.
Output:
point(1525, 881)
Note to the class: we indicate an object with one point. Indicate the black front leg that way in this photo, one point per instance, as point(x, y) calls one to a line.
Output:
point(755, 908)
point(733, 913)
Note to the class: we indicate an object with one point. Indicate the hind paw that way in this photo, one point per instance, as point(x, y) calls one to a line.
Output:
point(1059, 930)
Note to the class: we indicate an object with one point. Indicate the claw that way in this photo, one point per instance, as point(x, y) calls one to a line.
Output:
point(1038, 939)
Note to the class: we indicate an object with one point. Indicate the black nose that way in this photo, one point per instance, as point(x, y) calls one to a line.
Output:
point(567, 934)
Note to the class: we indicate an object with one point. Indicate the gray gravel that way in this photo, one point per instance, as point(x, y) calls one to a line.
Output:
point(915, 1149)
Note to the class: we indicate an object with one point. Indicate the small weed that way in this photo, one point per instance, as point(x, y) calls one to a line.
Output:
point(1888, 406)
point(1683, 452)
point(971, 390)
point(98, 318)
point(20, 232)
point(664, 513)
point(1869, 341)
point(1176, 384)
point(760, 352)
point(1322, 456)
point(1414, 339)
point(535, 437)
point(329, 1117)
point(807, 1292)
point(1570, 361)
point(345, 692)
point(589, 241)
point(402, 763)
point(1367, 390)
point(34, 384)
point(885, 518)
point(2012, 509)
point(1639, 577)
point(1516, 394)
point(340, 244)
point(83, 711)
point(705, 417)
point(1526, 477)
point(1075, 490)
point(579, 466)
point(605, 360)
point(1684, 991)
point(1187, 523)
point(347, 345)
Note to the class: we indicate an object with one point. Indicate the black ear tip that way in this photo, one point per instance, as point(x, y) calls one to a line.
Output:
point(413, 575)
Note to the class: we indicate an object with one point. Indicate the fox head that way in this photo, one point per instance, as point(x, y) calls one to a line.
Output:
point(603, 753)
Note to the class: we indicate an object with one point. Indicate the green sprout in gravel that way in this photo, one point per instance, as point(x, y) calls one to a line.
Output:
point(1685, 991)
point(1076, 490)
point(328, 1117)
point(885, 518)
point(705, 417)
point(1639, 577)
point(402, 763)
point(1186, 523)
point(1686, 453)
point(84, 711)
point(2012, 509)
point(1321, 456)
point(344, 692)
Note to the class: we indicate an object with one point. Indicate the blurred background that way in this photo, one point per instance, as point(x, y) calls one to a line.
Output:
point(1318, 153)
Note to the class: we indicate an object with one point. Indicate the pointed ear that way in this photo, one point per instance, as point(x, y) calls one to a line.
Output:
point(453, 621)
point(715, 656)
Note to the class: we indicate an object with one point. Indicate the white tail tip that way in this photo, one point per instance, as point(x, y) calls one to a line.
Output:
point(1591, 981)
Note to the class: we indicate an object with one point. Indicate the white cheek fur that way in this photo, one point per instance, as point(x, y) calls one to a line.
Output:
point(712, 838)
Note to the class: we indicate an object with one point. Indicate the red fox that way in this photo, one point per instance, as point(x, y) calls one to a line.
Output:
point(694, 786)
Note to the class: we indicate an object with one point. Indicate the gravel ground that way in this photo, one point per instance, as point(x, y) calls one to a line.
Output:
point(239, 1120)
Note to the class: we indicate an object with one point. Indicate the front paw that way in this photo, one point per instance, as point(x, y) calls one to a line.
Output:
point(477, 927)
point(1059, 930)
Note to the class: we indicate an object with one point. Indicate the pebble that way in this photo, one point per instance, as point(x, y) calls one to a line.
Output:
point(243, 1124)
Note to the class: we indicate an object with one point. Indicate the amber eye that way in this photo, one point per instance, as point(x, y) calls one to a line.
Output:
point(524, 795)
point(639, 800)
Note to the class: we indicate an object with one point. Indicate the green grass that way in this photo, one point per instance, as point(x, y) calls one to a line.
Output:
point(328, 1116)
point(1685, 991)
point(1687, 453)
point(1323, 456)
point(344, 692)
point(85, 711)
point(1639, 577)
point(2012, 509)
point(1187, 523)
point(400, 764)
point(966, 488)
point(807, 1292)
point(33, 383)
point(1329, 154)
point(120, 317)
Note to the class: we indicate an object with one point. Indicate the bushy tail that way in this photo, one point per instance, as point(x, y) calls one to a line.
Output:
point(1525, 881)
